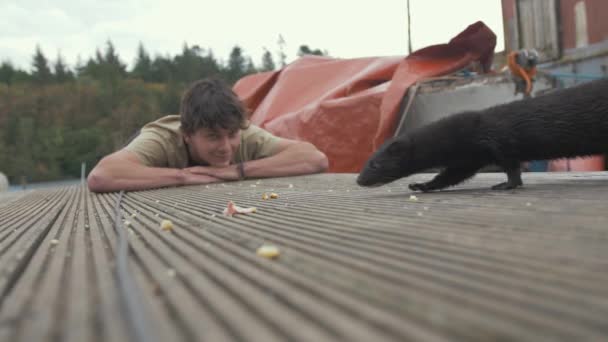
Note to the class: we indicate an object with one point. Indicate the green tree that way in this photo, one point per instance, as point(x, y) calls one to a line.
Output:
point(92, 68)
point(7, 72)
point(41, 71)
point(111, 65)
point(112, 59)
point(188, 65)
point(11, 75)
point(106, 66)
point(4, 158)
point(143, 64)
point(281, 43)
point(22, 162)
point(267, 61)
point(79, 145)
point(79, 67)
point(250, 67)
point(236, 65)
point(162, 69)
point(61, 71)
point(170, 98)
point(305, 50)
point(211, 66)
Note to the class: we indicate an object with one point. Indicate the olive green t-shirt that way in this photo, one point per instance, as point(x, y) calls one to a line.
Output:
point(161, 144)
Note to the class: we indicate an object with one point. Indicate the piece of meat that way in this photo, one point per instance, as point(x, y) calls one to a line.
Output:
point(233, 209)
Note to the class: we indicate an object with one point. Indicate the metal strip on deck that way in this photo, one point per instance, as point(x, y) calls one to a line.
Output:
point(355, 264)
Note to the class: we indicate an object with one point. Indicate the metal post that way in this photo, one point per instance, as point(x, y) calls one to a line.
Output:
point(409, 29)
point(83, 167)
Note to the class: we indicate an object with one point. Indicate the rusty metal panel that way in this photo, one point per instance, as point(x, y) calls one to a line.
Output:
point(537, 20)
point(510, 25)
point(597, 26)
point(355, 264)
point(442, 97)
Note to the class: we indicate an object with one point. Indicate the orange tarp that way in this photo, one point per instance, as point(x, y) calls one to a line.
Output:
point(348, 107)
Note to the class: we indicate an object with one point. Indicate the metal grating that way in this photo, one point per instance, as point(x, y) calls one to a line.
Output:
point(356, 264)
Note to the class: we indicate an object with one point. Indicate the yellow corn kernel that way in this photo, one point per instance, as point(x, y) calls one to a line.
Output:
point(166, 225)
point(268, 251)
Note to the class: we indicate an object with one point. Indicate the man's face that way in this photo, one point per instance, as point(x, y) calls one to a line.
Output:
point(214, 147)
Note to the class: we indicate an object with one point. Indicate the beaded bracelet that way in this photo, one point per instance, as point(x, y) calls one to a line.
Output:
point(241, 170)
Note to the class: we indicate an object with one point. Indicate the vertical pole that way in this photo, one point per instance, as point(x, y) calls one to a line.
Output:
point(409, 29)
point(83, 167)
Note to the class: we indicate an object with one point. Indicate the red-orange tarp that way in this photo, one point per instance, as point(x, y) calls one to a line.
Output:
point(348, 107)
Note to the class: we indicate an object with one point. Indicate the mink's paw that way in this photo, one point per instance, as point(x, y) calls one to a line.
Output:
point(419, 187)
point(505, 186)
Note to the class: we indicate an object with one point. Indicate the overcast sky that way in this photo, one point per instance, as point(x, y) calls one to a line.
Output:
point(345, 28)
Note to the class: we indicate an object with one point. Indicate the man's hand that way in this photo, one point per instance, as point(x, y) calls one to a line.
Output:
point(191, 178)
point(291, 159)
point(225, 173)
point(122, 170)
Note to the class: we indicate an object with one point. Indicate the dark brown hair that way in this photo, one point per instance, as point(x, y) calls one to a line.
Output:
point(211, 103)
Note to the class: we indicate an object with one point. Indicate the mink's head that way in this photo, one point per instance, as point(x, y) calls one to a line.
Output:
point(393, 160)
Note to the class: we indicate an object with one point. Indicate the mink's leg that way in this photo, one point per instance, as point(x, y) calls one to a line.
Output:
point(513, 171)
point(448, 177)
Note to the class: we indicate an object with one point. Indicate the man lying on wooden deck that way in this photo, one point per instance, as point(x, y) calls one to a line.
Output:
point(210, 141)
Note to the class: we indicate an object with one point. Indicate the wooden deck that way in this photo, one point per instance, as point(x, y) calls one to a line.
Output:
point(355, 264)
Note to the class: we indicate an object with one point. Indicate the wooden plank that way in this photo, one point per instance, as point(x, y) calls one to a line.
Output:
point(355, 263)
